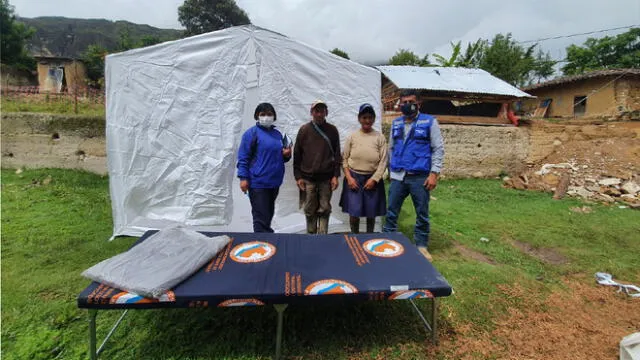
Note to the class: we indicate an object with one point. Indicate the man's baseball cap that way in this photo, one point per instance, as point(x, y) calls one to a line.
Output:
point(319, 103)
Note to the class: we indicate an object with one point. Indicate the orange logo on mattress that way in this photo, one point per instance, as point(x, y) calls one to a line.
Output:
point(131, 298)
point(252, 252)
point(330, 287)
point(383, 247)
point(411, 294)
point(240, 302)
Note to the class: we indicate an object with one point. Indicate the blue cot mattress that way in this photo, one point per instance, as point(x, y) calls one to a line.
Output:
point(257, 269)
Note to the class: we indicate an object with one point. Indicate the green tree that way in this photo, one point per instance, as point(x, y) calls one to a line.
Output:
point(201, 16)
point(13, 35)
point(508, 60)
point(513, 63)
point(149, 40)
point(472, 54)
point(93, 59)
point(124, 40)
point(407, 57)
point(340, 53)
point(543, 66)
point(609, 52)
point(503, 57)
point(451, 61)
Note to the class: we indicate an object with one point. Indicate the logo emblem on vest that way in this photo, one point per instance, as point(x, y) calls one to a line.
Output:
point(330, 287)
point(411, 294)
point(240, 302)
point(383, 248)
point(252, 252)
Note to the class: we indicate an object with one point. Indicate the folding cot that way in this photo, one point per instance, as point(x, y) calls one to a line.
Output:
point(289, 269)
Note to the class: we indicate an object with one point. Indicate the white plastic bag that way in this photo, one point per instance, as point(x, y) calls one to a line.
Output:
point(607, 279)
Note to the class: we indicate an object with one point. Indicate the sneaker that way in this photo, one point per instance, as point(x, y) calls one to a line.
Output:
point(423, 250)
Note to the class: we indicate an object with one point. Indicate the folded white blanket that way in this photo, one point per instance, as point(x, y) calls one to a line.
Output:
point(159, 263)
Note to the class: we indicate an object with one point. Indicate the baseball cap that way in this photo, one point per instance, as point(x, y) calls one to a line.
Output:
point(366, 108)
point(317, 103)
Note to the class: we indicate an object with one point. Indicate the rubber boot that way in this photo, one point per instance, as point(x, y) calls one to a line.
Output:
point(354, 223)
point(371, 224)
point(312, 224)
point(323, 224)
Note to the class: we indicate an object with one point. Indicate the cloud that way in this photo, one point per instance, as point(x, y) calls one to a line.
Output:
point(372, 31)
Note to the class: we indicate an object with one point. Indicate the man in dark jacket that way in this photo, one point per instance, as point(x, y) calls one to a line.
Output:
point(316, 167)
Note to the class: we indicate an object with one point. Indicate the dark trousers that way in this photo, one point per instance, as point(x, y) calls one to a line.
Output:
point(263, 202)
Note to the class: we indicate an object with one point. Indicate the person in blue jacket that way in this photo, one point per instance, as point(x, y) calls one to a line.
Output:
point(415, 161)
point(261, 157)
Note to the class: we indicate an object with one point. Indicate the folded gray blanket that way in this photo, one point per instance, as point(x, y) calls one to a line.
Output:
point(159, 263)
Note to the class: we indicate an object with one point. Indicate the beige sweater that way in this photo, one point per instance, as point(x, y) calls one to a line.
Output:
point(366, 153)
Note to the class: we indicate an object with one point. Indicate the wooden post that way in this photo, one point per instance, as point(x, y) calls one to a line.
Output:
point(75, 86)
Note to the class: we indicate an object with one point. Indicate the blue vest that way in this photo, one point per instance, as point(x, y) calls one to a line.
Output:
point(412, 155)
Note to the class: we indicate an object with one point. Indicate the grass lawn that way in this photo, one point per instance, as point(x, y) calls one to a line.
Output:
point(38, 104)
point(53, 229)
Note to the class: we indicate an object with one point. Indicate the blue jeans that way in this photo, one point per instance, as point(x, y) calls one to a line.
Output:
point(398, 191)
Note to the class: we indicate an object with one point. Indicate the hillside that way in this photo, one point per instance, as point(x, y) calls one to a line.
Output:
point(67, 37)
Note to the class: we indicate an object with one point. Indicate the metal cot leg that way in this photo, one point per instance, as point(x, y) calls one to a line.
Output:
point(433, 326)
point(426, 324)
point(111, 331)
point(93, 313)
point(280, 308)
point(434, 321)
point(93, 353)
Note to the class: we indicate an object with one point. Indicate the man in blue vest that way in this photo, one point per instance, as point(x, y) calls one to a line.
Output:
point(416, 156)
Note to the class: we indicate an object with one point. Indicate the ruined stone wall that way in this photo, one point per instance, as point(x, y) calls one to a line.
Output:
point(548, 138)
point(483, 151)
point(628, 98)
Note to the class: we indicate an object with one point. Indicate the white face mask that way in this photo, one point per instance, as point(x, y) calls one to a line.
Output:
point(265, 121)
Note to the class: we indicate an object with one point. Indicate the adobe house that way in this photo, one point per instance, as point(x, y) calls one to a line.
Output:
point(60, 74)
point(604, 94)
point(453, 95)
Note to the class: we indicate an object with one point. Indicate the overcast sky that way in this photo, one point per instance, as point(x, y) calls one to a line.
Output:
point(372, 30)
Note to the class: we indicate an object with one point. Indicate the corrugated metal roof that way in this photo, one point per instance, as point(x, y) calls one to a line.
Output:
point(452, 79)
point(589, 75)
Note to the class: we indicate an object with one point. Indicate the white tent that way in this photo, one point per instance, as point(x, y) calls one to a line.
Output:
point(176, 112)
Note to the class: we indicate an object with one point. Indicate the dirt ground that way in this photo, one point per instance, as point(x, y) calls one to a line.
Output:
point(549, 256)
point(585, 322)
point(475, 255)
point(588, 320)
